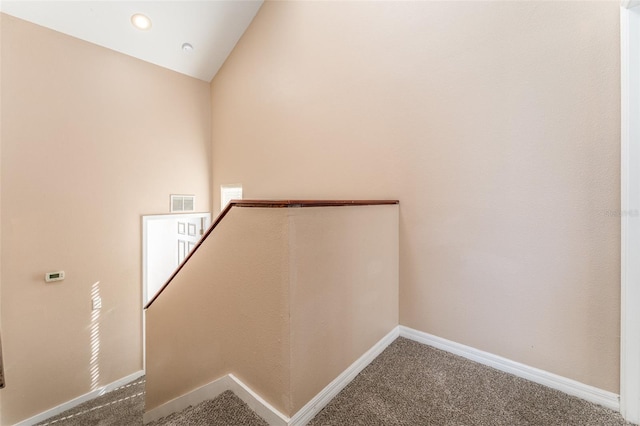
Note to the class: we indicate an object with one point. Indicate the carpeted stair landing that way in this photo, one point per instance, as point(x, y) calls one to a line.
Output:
point(409, 384)
point(120, 407)
point(125, 407)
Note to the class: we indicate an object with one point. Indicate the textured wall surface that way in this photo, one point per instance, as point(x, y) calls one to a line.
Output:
point(226, 312)
point(344, 290)
point(496, 124)
point(91, 140)
point(284, 299)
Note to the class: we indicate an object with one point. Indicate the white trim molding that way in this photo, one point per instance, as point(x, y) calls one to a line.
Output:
point(554, 381)
point(265, 410)
point(211, 390)
point(194, 397)
point(275, 418)
point(313, 407)
point(630, 212)
point(79, 400)
point(261, 407)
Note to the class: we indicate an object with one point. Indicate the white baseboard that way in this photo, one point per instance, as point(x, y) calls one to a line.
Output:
point(554, 381)
point(194, 397)
point(265, 410)
point(211, 390)
point(313, 407)
point(79, 400)
point(262, 408)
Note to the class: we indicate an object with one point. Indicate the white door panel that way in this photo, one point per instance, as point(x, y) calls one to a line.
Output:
point(167, 241)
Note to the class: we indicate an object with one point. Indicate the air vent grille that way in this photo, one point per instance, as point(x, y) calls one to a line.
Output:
point(183, 203)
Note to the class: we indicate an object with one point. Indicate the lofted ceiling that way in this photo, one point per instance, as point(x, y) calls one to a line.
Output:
point(212, 27)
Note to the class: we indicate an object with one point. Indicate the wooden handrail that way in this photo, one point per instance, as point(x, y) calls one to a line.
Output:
point(268, 204)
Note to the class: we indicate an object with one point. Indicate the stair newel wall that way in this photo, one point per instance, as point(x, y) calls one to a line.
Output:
point(282, 300)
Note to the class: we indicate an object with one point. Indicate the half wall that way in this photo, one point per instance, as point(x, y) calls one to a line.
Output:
point(285, 299)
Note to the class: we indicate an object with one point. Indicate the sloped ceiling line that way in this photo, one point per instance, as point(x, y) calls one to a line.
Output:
point(212, 27)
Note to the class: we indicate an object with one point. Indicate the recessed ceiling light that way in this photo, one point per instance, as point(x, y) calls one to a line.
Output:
point(141, 21)
point(187, 47)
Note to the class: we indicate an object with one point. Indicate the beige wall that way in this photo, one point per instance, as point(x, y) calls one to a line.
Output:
point(1, 207)
point(497, 126)
point(225, 313)
point(344, 290)
point(91, 140)
point(284, 299)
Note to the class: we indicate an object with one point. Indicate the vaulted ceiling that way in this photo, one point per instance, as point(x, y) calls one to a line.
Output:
point(212, 28)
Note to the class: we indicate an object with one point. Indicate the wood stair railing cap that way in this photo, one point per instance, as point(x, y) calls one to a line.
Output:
point(268, 204)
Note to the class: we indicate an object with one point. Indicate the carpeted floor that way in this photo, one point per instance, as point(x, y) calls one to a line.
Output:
point(120, 407)
point(225, 410)
point(414, 384)
point(408, 384)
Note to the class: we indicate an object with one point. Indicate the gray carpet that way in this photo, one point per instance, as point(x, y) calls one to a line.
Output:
point(414, 384)
point(225, 410)
point(125, 407)
point(408, 384)
point(120, 407)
